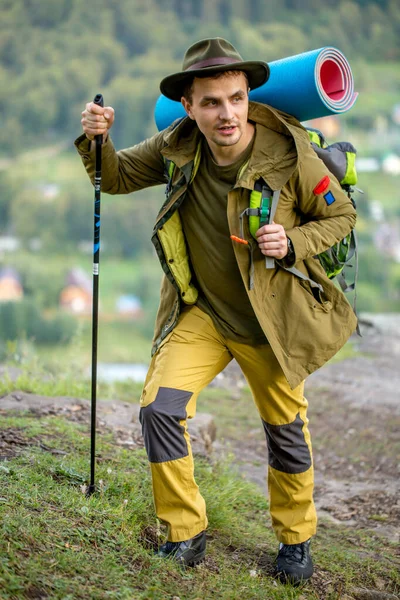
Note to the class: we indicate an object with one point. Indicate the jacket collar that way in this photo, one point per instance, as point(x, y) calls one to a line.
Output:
point(181, 138)
point(278, 140)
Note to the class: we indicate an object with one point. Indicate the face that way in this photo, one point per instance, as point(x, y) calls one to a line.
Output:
point(220, 108)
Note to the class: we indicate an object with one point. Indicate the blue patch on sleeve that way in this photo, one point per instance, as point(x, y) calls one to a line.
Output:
point(329, 198)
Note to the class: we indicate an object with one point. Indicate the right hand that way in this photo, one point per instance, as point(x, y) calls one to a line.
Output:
point(97, 120)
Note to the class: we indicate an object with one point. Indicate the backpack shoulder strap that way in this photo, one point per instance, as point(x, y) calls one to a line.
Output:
point(262, 209)
point(270, 262)
point(301, 275)
point(170, 168)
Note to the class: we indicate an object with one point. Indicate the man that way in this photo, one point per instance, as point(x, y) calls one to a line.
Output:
point(218, 299)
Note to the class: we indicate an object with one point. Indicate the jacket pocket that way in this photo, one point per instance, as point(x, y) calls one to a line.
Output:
point(315, 298)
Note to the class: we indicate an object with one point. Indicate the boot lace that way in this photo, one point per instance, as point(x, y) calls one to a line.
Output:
point(171, 546)
point(293, 552)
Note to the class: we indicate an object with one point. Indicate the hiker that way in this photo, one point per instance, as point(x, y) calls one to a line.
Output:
point(218, 299)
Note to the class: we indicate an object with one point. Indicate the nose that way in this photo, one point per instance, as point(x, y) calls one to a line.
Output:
point(226, 111)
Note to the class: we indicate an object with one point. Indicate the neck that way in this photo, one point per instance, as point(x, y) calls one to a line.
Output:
point(227, 155)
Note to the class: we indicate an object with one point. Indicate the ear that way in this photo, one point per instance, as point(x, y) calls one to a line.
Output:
point(186, 105)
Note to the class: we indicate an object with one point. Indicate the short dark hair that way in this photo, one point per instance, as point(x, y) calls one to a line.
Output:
point(188, 89)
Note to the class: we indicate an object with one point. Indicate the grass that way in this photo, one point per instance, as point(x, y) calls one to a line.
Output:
point(119, 341)
point(66, 379)
point(74, 547)
point(379, 187)
point(57, 543)
point(57, 164)
point(229, 411)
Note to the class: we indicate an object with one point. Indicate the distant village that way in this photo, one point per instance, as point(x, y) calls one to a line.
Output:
point(75, 296)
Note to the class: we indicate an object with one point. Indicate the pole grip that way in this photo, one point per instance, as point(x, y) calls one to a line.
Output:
point(99, 100)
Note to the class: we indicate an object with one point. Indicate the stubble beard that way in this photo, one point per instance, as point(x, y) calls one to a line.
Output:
point(221, 140)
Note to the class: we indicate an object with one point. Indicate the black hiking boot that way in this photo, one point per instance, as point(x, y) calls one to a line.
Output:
point(293, 563)
point(188, 553)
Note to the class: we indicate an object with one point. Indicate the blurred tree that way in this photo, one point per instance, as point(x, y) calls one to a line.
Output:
point(133, 107)
point(127, 222)
point(211, 11)
point(33, 217)
point(47, 14)
point(7, 191)
point(78, 214)
point(351, 23)
point(24, 320)
point(240, 10)
point(54, 57)
point(271, 41)
point(266, 11)
point(303, 5)
point(11, 135)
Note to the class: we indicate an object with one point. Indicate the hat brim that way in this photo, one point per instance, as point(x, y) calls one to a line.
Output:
point(173, 86)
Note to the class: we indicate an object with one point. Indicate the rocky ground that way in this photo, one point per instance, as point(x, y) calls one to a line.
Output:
point(354, 421)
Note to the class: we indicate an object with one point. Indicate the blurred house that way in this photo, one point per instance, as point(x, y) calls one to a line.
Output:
point(76, 296)
point(387, 240)
point(376, 211)
point(367, 164)
point(129, 306)
point(9, 243)
point(391, 164)
point(49, 191)
point(11, 289)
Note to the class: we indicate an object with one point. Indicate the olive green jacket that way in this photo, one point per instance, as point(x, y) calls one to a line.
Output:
point(304, 328)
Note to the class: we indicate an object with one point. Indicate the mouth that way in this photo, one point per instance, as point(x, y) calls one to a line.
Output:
point(227, 129)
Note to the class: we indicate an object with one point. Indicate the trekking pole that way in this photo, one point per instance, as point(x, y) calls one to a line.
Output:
point(95, 301)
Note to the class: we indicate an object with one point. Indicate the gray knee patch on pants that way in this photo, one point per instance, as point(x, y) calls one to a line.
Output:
point(287, 449)
point(162, 431)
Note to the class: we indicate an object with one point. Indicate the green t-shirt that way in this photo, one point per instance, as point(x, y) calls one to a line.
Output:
point(222, 294)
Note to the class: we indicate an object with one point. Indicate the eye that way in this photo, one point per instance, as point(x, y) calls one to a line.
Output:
point(211, 102)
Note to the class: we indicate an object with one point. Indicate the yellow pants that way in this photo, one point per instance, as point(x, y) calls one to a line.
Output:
point(189, 359)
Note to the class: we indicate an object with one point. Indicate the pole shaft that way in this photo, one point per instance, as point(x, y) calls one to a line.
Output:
point(95, 303)
point(94, 379)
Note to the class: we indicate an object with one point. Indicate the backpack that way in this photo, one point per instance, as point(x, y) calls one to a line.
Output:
point(339, 158)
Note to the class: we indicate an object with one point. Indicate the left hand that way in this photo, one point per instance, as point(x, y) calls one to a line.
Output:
point(272, 240)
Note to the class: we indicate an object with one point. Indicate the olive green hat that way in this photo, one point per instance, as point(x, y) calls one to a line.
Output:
point(207, 57)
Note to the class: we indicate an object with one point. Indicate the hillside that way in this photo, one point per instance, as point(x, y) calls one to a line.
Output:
point(354, 420)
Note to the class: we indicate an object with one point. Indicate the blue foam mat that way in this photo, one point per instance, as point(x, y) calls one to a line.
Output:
point(308, 85)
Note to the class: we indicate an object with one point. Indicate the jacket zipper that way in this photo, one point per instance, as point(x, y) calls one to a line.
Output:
point(170, 204)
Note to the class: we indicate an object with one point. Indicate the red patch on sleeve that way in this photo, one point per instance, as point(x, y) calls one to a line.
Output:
point(322, 186)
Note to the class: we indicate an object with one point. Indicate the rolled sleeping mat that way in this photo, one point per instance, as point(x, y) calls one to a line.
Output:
point(308, 85)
